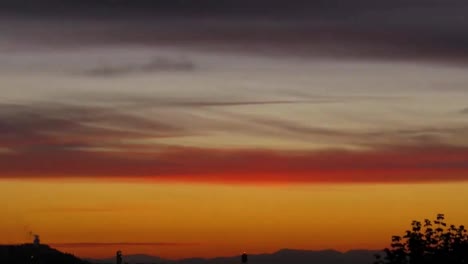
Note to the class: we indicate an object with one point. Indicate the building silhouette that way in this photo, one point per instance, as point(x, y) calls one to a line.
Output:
point(244, 258)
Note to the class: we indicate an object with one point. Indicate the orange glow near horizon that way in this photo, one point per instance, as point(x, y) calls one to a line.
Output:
point(205, 220)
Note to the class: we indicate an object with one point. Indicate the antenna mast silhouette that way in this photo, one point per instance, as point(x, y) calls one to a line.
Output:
point(36, 240)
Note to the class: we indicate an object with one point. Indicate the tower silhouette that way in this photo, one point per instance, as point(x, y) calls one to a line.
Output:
point(36, 240)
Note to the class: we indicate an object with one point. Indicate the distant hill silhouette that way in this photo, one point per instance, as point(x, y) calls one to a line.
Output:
point(32, 254)
point(284, 256)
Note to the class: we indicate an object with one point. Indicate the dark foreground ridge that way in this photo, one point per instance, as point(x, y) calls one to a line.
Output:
point(35, 254)
point(43, 254)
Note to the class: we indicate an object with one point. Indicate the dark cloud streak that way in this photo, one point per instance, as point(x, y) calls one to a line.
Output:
point(432, 30)
point(153, 66)
point(216, 7)
point(51, 126)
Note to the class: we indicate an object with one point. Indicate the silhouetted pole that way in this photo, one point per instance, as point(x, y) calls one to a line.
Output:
point(118, 257)
point(244, 258)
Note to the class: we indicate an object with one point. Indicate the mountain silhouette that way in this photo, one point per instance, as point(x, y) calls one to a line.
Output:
point(284, 256)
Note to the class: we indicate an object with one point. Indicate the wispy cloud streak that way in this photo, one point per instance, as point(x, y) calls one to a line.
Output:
point(108, 244)
point(63, 141)
point(153, 66)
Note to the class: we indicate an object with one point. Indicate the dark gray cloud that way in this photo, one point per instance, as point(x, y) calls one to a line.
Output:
point(132, 101)
point(416, 30)
point(211, 7)
point(153, 66)
point(464, 111)
point(158, 102)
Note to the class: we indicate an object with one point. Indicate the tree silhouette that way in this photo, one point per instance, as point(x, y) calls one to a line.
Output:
point(428, 242)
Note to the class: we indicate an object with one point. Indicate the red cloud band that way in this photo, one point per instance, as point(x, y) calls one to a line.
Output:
point(438, 163)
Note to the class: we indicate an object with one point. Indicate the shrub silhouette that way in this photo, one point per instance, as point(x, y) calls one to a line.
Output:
point(428, 242)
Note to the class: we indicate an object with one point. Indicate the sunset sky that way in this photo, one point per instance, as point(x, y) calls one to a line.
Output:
point(205, 128)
